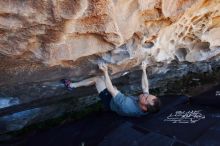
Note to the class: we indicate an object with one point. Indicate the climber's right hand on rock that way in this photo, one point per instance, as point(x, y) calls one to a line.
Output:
point(103, 67)
point(144, 65)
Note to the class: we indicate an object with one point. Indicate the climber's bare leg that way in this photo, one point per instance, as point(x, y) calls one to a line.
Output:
point(86, 82)
point(98, 81)
point(100, 84)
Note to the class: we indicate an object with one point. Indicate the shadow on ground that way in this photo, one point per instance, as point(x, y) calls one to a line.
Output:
point(181, 121)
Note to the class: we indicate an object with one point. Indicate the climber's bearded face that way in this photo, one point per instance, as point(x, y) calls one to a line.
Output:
point(145, 99)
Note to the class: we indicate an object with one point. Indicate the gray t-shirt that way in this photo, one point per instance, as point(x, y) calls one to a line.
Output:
point(126, 105)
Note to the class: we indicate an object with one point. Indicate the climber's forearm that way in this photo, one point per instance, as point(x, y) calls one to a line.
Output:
point(109, 85)
point(144, 82)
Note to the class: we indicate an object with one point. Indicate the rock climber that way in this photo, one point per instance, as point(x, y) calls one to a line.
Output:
point(116, 101)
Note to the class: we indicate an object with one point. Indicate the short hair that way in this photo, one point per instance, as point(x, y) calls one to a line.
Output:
point(155, 107)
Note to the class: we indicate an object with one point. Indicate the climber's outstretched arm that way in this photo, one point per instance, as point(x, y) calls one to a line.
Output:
point(108, 81)
point(144, 79)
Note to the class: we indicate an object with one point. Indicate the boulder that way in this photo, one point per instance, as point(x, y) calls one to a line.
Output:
point(44, 41)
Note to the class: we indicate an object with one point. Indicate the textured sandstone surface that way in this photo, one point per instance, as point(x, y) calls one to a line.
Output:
point(122, 32)
point(43, 41)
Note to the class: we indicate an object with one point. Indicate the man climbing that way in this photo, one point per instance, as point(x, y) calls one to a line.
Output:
point(114, 100)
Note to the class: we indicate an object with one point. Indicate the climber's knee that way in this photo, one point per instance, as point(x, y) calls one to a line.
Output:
point(100, 84)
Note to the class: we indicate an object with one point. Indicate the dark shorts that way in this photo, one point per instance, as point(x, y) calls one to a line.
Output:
point(105, 97)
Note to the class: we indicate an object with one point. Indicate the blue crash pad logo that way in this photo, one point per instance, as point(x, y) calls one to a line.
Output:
point(185, 117)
